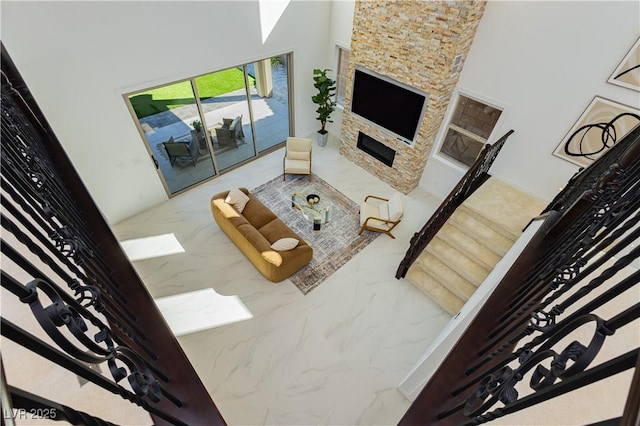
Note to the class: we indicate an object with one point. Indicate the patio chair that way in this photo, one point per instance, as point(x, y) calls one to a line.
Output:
point(230, 132)
point(177, 150)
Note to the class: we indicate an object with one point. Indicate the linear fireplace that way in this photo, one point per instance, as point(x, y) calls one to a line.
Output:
point(377, 150)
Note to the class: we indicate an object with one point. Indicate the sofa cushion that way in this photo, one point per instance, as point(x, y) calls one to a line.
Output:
point(275, 230)
point(229, 212)
point(297, 155)
point(254, 238)
point(297, 166)
point(257, 241)
point(257, 213)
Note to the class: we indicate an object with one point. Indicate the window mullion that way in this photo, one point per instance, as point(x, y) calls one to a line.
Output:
point(205, 129)
point(467, 133)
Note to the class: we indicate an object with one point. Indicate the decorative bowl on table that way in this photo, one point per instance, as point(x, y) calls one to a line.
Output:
point(313, 199)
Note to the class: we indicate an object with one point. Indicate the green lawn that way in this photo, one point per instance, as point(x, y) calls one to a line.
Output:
point(180, 94)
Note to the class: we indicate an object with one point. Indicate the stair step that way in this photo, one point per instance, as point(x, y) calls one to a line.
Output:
point(502, 204)
point(481, 232)
point(477, 235)
point(457, 261)
point(495, 226)
point(446, 276)
point(434, 290)
point(469, 246)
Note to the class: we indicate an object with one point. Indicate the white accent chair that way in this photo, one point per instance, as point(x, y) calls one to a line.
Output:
point(297, 157)
point(381, 214)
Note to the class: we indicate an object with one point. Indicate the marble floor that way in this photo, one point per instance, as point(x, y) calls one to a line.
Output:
point(334, 356)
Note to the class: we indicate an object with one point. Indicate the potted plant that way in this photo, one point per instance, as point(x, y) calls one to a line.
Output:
point(197, 125)
point(326, 88)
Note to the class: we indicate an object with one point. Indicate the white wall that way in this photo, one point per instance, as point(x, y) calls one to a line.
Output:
point(339, 35)
point(545, 61)
point(78, 58)
point(341, 22)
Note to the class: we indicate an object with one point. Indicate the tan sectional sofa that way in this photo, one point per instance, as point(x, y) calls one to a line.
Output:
point(254, 231)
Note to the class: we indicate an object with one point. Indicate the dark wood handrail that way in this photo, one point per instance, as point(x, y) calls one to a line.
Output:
point(477, 174)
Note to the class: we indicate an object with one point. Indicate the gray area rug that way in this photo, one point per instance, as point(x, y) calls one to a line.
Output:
point(335, 243)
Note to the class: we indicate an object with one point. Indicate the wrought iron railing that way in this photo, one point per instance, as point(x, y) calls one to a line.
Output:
point(585, 177)
point(525, 346)
point(477, 174)
point(63, 268)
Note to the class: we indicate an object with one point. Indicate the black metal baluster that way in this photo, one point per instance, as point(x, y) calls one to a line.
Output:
point(29, 341)
point(103, 304)
point(586, 247)
point(516, 322)
point(623, 286)
point(51, 215)
point(36, 249)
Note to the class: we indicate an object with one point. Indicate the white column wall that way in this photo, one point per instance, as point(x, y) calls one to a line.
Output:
point(78, 58)
point(339, 35)
point(545, 61)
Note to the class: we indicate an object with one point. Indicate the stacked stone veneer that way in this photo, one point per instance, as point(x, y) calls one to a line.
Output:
point(415, 43)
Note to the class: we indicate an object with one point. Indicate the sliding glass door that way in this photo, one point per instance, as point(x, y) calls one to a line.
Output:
point(205, 125)
point(270, 100)
point(226, 115)
point(168, 118)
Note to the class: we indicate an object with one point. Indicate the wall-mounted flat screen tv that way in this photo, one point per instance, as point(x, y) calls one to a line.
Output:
point(396, 107)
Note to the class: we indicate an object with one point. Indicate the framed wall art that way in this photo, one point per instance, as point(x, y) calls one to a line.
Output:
point(627, 74)
point(595, 131)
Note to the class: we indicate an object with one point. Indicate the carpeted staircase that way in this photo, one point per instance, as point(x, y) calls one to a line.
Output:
point(472, 242)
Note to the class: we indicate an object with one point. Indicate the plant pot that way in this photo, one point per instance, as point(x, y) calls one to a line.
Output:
point(323, 138)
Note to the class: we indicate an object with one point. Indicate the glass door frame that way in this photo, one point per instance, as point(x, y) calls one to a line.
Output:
point(247, 87)
point(207, 136)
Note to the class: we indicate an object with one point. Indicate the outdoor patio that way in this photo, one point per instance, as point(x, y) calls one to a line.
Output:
point(271, 117)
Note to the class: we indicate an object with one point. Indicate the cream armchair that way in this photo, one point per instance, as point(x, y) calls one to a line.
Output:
point(297, 157)
point(381, 214)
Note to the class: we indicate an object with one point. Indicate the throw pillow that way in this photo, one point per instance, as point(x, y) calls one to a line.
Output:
point(237, 199)
point(284, 244)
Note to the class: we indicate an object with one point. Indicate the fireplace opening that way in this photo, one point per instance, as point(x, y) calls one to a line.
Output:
point(376, 149)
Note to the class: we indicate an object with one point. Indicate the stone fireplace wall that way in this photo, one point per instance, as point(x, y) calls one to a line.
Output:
point(415, 43)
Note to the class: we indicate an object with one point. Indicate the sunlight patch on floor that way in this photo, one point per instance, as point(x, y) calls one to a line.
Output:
point(200, 310)
point(150, 247)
